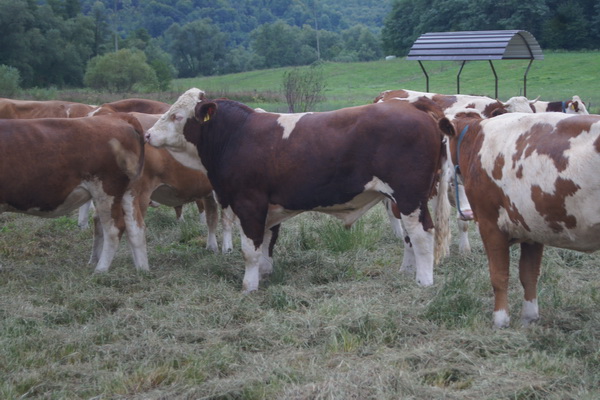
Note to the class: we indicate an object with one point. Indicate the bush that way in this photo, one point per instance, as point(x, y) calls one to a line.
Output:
point(10, 80)
point(120, 71)
point(303, 88)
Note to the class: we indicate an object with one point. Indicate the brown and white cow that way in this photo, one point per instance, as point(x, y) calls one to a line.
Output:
point(269, 167)
point(573, 106)
point(532, 180)
point(166, 181)
point(449, 103)
point(144, 106)
point(51, 166)
point(28, 109)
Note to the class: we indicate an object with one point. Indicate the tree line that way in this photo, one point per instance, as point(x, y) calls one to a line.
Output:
point(71, 43)
point(556, 24)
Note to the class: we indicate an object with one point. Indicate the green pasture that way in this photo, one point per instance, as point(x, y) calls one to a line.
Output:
point(336, 320)
point(558, 77)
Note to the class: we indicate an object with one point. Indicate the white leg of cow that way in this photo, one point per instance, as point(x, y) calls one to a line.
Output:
point(463, 234)
point(110, 237)
point(228, 219)
point(408, 256)
point(408, 259)
point(136, 232)
point(252, 257)
point(530, 312)
point(394, 222)
point(529, 273)
point(266, 262)
point(422, 243)
point(98, 240)
point(211, 211)
point(463, 215)
point(84, 215)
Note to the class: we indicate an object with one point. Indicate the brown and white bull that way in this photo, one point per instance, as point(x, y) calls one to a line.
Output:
point(51, 166)
point(532, 180)
point(29, 109)
point(269, 167)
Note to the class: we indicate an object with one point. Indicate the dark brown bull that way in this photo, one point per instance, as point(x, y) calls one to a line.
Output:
point(269, 167)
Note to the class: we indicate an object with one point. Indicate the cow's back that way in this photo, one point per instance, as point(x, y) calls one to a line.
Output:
point(30, 109)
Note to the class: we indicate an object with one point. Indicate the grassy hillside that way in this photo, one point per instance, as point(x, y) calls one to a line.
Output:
point(558, 77)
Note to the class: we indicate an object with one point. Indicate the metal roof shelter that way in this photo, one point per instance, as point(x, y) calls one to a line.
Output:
point(476, 46)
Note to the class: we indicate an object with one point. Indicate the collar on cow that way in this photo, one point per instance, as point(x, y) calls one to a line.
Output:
point(457, 170)
point(564, 106)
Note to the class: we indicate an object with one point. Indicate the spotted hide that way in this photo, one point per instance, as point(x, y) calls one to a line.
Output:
point(532, 180)
point(51, 166)
point(269, 167)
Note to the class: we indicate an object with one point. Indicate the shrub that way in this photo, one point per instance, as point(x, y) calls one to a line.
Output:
point(10, 80)
point(120, 71)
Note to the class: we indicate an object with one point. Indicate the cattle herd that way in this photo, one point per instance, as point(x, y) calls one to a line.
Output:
point(524, 171)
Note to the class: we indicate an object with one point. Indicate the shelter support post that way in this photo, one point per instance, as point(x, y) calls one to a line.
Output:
point(426, 76)
point(525, 78)
point(458, 77)
point(495, 77)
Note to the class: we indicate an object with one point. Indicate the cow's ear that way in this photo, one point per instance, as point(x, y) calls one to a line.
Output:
point(447, 127)
point(205, 111)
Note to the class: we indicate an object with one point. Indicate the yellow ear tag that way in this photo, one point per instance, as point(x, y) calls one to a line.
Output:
point(206, 117)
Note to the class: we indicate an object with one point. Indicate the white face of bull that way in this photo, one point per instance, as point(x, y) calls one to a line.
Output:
point(168, 130)
point(519, 104)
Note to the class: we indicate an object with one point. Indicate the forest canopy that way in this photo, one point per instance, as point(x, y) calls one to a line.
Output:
point(51, 42)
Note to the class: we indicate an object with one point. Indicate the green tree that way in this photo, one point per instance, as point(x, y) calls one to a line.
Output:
point(278, 44)
point(160, 61)
point(196, 48)
point(9, 81)
point(567, 29)
point(120, 71)
point(101, 28)
point(399, 29)
point(362, 42)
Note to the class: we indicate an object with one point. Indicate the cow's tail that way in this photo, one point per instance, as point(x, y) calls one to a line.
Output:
point(130, 163)
point(441, 209)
